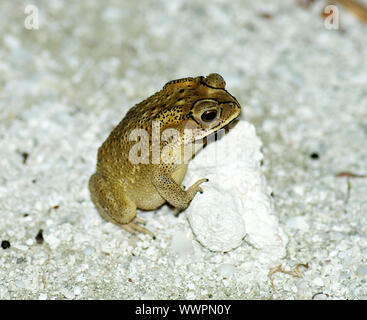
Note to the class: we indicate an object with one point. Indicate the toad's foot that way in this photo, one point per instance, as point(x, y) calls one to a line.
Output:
point(196, 188)
point(134, 227)
point(191, 192)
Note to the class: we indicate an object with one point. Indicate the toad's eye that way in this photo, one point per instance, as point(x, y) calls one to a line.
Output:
point(209, 115)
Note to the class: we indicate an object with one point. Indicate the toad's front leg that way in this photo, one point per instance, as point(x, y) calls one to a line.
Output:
point(173, 192)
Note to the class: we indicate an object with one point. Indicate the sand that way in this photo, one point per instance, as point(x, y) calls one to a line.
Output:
point(65, 85)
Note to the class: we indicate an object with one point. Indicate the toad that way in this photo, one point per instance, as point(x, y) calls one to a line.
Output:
point(144, 175)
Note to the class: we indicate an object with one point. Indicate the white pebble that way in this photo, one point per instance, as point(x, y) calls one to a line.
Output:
point(147, 296)
point(318, 282)
point(181, 244)
point(190, 296)
point(362, 271)
point(301, 287)
point(111, 14)
point(52, 240)
point(42, 296)
point(226, 269)
point(19, 284)
point(77, 290)
point(11, 42)
point(20, 247)
point(89, 251)
point(80, 278)
point(299, 190)
point(68, 294)
point(298, 223)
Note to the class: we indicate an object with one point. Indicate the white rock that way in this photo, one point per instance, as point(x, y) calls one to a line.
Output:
point(219, 225)
point(235, 203)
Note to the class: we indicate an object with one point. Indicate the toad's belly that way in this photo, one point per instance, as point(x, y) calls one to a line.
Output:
point(149, 201)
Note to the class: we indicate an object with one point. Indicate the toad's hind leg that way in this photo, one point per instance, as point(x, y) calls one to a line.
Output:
point(115, 206)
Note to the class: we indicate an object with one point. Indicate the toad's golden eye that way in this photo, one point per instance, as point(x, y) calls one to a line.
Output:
point(209, 115)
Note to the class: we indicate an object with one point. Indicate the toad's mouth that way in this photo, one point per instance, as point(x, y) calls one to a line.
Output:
point(219, 133)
